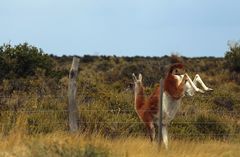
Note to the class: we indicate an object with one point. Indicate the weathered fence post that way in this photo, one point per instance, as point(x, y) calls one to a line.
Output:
point(160, 114)
point(72, 89)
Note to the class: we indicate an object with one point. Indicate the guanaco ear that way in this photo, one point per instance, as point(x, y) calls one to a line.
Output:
point(140, 77)
point(134, 77)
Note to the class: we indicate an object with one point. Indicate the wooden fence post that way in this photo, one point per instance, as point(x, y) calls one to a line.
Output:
point(72, 89)
point(160, 114)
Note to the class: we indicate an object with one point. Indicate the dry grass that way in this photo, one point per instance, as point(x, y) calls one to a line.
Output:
point(63, 144)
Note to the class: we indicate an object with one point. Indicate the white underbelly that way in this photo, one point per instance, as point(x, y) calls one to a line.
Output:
point(170, 108)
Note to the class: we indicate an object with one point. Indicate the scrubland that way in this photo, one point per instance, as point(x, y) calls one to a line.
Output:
point(34, 113)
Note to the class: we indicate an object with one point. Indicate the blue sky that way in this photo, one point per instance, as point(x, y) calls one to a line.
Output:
point(122, 27)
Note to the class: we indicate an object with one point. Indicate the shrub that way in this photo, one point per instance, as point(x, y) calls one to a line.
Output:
point(222, 102)
point(211, 126)
point(233, 56)
point(104, 66)
point(23, 60)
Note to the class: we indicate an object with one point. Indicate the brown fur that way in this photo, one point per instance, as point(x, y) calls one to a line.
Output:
point(171, 84)
point(172, 88)
point(176, 59)
point(140, 102)
point(148, 107)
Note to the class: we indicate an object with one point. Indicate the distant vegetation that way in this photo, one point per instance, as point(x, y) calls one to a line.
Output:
point(233, 57)
point(23, 60)
point(33, 90)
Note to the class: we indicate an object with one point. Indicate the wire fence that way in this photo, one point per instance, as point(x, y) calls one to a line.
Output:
point(120, 110)
point(34, 123)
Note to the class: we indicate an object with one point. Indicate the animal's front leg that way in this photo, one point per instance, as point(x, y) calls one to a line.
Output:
point(193, 84)
point(197, 78)
point(165, 136)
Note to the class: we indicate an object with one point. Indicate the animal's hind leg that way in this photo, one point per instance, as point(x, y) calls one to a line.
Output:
point(165, 136)
point(194, 85)
point(197, 78)
point(151, 130)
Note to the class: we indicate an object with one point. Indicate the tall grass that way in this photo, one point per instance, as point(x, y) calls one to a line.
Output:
point(75, 145)
point(112, 114)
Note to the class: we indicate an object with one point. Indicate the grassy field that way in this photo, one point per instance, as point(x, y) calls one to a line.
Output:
point(74, 145)
point(34, 106)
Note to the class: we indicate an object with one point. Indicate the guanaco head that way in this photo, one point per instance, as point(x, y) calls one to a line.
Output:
point(177, 69)
point(138, 85)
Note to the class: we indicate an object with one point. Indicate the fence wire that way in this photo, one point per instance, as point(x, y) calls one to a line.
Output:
point(118, 111)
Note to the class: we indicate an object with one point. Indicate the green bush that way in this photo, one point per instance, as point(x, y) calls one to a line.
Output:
point(232, 57)
point(211, 127)
point(23, 60)
point(104, 66)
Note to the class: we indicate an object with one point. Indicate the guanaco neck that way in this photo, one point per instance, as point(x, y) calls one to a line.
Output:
point(139, 97)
